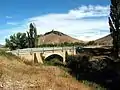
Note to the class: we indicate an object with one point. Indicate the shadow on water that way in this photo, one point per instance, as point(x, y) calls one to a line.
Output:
point(104, 71)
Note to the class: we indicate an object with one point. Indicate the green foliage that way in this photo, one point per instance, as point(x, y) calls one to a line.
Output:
point(32, 36)
point(114, 23)
point(62, 44)
point(17, 41)
point(103, 71)
point(53, 62)
point(78, 63)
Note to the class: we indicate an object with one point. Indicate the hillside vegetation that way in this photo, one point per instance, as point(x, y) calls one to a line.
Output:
point(16, 75)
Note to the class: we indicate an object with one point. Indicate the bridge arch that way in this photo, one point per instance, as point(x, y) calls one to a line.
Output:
point(54, 55)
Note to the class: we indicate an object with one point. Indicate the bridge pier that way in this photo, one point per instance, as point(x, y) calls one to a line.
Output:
point(38, 57)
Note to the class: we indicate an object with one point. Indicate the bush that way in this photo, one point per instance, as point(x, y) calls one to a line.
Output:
point(78, 64)
point(54, 62)
point(103, 71)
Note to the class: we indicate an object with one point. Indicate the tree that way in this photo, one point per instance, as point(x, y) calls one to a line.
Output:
point(114, 23)
point(17, 41)
point(32, 36)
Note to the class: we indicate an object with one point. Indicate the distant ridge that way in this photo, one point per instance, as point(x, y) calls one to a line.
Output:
point(1, 46)
point(107, 40)
point(55, 32)
point(56, 37)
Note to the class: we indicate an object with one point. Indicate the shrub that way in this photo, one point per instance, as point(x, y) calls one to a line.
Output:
point(54, 62)
point(102, 71)
point(78, 64)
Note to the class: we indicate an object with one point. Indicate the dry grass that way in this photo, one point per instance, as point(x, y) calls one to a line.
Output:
point(15, 75)
point(106, 40)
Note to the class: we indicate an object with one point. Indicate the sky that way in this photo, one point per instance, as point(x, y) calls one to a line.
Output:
point(82, 19)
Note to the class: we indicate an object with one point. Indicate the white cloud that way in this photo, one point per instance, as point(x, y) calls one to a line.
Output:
point(11, 23)
point(81, 12)
point(85, 22)
point(81, 20)
point(8, 17)
point(90, 11)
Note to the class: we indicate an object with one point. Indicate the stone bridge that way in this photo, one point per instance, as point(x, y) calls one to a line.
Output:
point(38, 55)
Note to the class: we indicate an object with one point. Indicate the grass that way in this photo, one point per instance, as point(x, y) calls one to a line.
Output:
point(65, 74)
point(1, 73)
point(8, 55)
point(16, 75)
point(25, 71)
point(28, 62)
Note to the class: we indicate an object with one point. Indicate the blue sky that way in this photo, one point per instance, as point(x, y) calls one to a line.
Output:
point(82, 19)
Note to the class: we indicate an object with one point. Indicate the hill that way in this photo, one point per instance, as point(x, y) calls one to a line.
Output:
point(16, 75)
point(1, 45)
point(107, 40)
point(56, 38)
